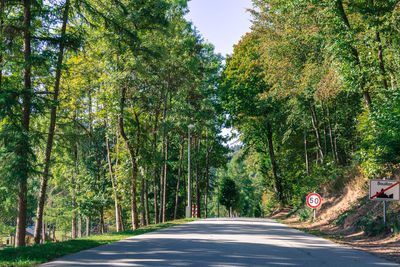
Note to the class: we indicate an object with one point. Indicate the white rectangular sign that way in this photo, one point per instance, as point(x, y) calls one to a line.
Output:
point(384, 190)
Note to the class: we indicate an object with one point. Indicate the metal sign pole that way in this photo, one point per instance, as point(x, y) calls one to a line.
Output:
point(384, 209)
point(315, 216)
point(384, 212)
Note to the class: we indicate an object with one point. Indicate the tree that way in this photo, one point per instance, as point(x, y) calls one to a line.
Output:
point(242, 87)
point(103, 105)
point(229, 195)
point(23, 146)
point(52, 126)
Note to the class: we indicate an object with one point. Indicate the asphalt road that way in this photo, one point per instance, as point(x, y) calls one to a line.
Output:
point(223, 242)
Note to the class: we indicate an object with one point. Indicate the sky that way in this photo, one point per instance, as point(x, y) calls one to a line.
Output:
point(221, 22)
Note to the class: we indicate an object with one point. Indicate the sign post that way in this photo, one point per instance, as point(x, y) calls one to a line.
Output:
point(384, 212)
point(314, 200)
point(384, 190)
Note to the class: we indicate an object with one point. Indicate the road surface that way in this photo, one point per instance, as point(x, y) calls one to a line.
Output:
point(223, 242)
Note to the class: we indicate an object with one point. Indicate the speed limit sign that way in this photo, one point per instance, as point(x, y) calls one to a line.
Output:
point(314, 200)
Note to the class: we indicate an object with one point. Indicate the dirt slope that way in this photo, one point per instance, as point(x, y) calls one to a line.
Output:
point(345, 211)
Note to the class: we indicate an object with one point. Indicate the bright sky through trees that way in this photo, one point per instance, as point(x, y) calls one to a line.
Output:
point(221, 22)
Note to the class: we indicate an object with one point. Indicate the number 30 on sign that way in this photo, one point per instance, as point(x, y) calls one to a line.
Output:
point(314, 200)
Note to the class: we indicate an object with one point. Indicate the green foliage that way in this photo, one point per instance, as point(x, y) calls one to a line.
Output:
point(342, 217)
point(145, 49)
point(312, 89)
point(395, 227)
point(319, 75)
point(229, 195)
point(380, 135)
point(305, 214)
point(249, 184)
point(373, 225)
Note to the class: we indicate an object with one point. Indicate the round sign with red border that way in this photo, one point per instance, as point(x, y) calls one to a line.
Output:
point(314, 200)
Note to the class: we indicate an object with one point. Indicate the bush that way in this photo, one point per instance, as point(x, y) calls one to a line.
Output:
point(373, 225)
point(395, 227)
point(340, 219)
point(305, 214)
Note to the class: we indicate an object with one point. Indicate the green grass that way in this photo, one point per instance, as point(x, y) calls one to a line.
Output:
point(36, 254)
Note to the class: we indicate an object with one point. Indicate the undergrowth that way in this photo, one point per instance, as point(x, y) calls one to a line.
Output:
point(374, 225)
point(342, 217)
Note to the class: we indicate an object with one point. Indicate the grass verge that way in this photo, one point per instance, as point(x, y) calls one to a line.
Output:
point(36, 254)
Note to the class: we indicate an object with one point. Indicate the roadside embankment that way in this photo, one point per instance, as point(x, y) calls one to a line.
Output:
point(347, 216)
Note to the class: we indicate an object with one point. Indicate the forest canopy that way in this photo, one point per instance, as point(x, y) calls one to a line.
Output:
point(313, 90)
point(96, 98)
point(95, 102)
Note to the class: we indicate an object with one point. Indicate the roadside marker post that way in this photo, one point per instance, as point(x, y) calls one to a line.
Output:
point(194, 211)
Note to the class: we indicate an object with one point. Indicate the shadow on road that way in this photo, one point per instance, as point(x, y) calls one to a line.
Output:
point(223, 243)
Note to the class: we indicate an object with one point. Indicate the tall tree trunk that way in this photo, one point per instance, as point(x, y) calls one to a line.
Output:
point(132, 158)
point(163, 148)
point(134, 213)
point(142, 205)
point(118, 222)
point(325, 132)
point(79, 225)
point(381, 61)
point(179, 178)
point(315, 123)
point(160, 215)
point(73, 192)
point(121, 218)
point(306, 152)
point(165, 180)
point(21, 219)
point(155, 189)
point(331, 136)
point(43, 237)
point(52, 126)
point(2, 7)
point(113, 183)
point(23, 146)
point(120, 215)
point(155, 171)
point(146, 198)
point(274, 165)
point(88, 226)
point(102, 226)
point(73, 228)
point(54, 233)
